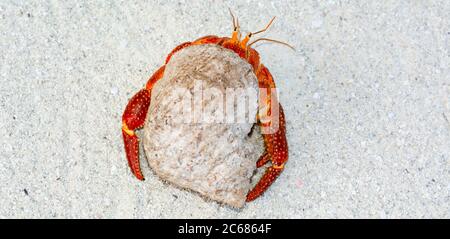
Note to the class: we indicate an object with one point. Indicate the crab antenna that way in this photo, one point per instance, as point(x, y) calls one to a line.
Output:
point(263, 30)
point(271, 40)
point(234, 20)
point(238, 28)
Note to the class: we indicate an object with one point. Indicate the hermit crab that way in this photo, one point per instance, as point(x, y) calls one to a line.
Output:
point(269, 116)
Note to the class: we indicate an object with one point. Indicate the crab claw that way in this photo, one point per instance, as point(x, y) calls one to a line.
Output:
point(277, 153)
point(132, 151)
point(263, 160)
point(266, 180)
point(134, 118)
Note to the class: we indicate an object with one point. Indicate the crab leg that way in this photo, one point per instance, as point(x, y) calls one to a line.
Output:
point(133, 118)
point(263, 160)
point(275, 142)
point(277, 152)
point(266, 180)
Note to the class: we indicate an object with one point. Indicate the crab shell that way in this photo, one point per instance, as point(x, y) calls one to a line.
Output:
point(214, 158)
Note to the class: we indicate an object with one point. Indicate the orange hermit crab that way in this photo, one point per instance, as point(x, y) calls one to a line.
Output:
point(276, 148)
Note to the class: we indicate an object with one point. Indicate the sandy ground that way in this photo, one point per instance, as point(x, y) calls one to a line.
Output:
point(366, 96)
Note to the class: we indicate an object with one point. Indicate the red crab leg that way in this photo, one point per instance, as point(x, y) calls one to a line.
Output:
point(133, 118)
point(263, 160)
point(275, 143)
point(277, 151)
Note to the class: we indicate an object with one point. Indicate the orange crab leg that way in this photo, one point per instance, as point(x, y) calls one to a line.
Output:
point(275, 143)
point(133, 118)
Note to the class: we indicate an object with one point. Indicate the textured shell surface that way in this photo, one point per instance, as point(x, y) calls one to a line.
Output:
point(186, 140)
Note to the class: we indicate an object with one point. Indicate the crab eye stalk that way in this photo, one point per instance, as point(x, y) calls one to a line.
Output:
point(244, 41)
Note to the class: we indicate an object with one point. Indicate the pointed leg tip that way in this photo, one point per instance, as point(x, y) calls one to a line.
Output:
point(252, 195)
point(132, 154)
point(249, 199)
point(139, 176)
point(263, 160)
point(266, 180)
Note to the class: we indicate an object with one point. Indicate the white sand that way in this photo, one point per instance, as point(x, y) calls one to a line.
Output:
point(366, 96)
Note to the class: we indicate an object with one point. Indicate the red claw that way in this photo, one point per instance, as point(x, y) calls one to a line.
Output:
point(266, 180)
point(132, 152)
point(134, 118)
point(277, 152)
point(275, 143)
point(263, 160)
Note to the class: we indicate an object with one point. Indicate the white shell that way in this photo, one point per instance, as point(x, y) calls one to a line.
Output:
point(216, 160)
